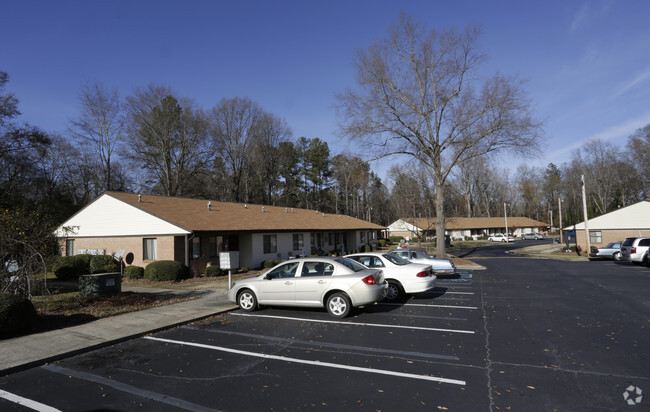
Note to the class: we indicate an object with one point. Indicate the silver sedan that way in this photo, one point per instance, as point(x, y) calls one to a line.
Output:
point(337, 284)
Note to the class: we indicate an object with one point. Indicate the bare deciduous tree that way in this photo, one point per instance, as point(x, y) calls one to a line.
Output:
point(100, 124)
point(418, 96)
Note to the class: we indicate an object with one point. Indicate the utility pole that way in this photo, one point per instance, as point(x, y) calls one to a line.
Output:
point(505, 215)
point(584, 208)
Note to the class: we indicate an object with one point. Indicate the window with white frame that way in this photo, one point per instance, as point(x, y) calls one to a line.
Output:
point(149, 247)
point(69, 247)
point(595, 236)
point(298, 241)
point(270, 244)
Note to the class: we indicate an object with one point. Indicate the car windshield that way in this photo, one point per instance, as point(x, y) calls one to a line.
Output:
point(356, 266)
point(395, 259)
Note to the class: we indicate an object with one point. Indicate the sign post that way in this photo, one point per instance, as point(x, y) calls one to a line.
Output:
point(229, 260)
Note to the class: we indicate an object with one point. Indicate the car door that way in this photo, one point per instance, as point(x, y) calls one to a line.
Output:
point(314, 280)
point(278, 287)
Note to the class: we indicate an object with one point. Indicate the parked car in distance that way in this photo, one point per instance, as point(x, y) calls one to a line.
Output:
point(500, 237)
point(611, 251)
point(420, 256)
point(403, 277)
point(337, 284)
point(532, 236)
point(634, 249)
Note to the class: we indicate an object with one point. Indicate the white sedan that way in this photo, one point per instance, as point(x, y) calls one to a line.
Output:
point(337, 284)
point(402, 276)
point(420, 256)
point(500, 237)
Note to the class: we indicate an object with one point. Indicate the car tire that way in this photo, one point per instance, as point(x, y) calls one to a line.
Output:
point(616, 256)
point(246, 300)
point(339, 305)
point(395, 292)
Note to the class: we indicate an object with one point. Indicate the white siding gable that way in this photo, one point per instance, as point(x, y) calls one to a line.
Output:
point(108, 216)
point(636, 216)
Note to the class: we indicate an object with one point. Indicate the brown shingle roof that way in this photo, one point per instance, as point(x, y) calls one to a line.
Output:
point(457, 223)
point(193, 214)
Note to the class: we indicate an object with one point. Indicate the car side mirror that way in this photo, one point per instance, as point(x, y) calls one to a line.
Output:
point(268, 276)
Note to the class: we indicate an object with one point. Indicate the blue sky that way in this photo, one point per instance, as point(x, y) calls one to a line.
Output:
point(586, 63)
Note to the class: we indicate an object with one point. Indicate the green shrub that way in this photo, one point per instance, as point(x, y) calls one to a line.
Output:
point(213, 271)
point(243, 269)
point(381, 243)
point(271, 263)
point(16, 314)
point(104, 264)
point(396, 239)
point(161, 270)
point(134, 272)
point(68, 267)
point(84, 261)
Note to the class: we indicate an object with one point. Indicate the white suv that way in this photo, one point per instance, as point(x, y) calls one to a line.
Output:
point(635, 249)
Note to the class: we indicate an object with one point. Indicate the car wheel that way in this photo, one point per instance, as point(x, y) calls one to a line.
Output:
point(394, 291)
point(616, 256)
point(247, 300)
point(339, 305)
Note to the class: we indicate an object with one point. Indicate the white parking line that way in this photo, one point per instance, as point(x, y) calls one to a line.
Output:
point(459, 293)
point(124, 387)
point(312, 363)
point(28, 403)
point(425, 305)
point(377, 325)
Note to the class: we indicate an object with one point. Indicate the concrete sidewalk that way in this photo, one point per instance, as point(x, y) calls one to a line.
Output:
point(36, 349)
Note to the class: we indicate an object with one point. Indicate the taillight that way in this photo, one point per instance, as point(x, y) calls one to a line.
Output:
point(422, 274)
point(633, 250)
point(369, 280)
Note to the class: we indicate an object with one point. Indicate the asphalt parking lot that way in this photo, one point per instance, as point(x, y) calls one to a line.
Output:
point(524, 334)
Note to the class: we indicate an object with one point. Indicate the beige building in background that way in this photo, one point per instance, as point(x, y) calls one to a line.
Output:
point(629, 221)
point(145, 228)
point(459, 228)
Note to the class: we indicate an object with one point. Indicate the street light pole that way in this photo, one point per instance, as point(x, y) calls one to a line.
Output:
point(559, 207)
point(505, 215)
point(584, 208)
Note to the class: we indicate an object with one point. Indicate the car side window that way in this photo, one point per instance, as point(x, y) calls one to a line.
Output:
point(414, 255)
point(644, 242)
point(312, 269)
point(285, 271)
point(377, 263)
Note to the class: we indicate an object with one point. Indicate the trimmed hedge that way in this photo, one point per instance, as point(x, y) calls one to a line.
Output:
point(70, 267)
point(16, 314)
point(396, 239)
point(162, 270)
point(213, 271)
point(134, 272)
point(104, 264)
point(271, 263)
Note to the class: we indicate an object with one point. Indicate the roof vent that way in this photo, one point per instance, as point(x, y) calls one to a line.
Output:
point(139, 198)
point(286, 210)
point(292, 211)
point(262, 209)
point(245, 206)
point(323, 214)
point(209, 205)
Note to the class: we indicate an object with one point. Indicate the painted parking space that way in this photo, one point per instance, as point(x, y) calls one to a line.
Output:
point(544, 335)
point(385, 357)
